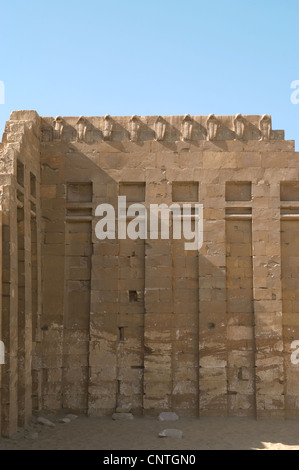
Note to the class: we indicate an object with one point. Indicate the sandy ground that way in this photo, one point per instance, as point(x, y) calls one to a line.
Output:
point(142, 434)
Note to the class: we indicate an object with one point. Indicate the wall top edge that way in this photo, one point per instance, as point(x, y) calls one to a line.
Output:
point(155, 127)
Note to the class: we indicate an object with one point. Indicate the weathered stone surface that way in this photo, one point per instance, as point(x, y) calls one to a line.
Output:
point(45, 422)
point(88, 325)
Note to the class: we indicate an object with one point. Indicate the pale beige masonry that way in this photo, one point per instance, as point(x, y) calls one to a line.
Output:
point(91, 325)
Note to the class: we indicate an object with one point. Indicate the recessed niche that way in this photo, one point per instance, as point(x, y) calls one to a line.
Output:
point(121, 333)
point(134, 192)
point(238, 191)
point(185, 191)
point(133, 296)
point(79, 192)
point(289, 191)
point(32, 185)
point(20, 173)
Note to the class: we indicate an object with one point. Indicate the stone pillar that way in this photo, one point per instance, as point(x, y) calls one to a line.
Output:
point(102, 385)
point(289, 195)
point(130, 324)
point(240, 317)
point(267, 300)
point(104, 307)
point(53, 210)
point(158, 322)
point(185, 329)
point(158, 328)
point(9, 315)
point(212, 302)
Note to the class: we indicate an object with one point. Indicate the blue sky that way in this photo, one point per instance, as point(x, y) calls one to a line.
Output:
point(168, 57)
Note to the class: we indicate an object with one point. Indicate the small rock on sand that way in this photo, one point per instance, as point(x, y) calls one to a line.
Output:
point(71, 417)
point(65, 420)
point(175, 433)
point(124, 408)
point(45, 422)
point(168, 416)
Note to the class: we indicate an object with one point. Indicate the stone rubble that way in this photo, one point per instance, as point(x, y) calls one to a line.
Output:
point(168, 416)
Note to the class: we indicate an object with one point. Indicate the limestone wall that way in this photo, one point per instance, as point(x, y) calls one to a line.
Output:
point(146, 322)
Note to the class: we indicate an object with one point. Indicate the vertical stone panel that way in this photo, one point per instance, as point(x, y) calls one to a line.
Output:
point(158, 379)
point(75, 373)
point(212, 301)
point(36, 310)
point(102, 388)
point(78, 246)
point(10, 316)
point(290, 308)
point(270, 400)
point(130, 323)
point(185, 351)
point(53, 212)
point(21, 317)
point(240, 319)
point(103, 385)
point(22, 162)
point(159, 302)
